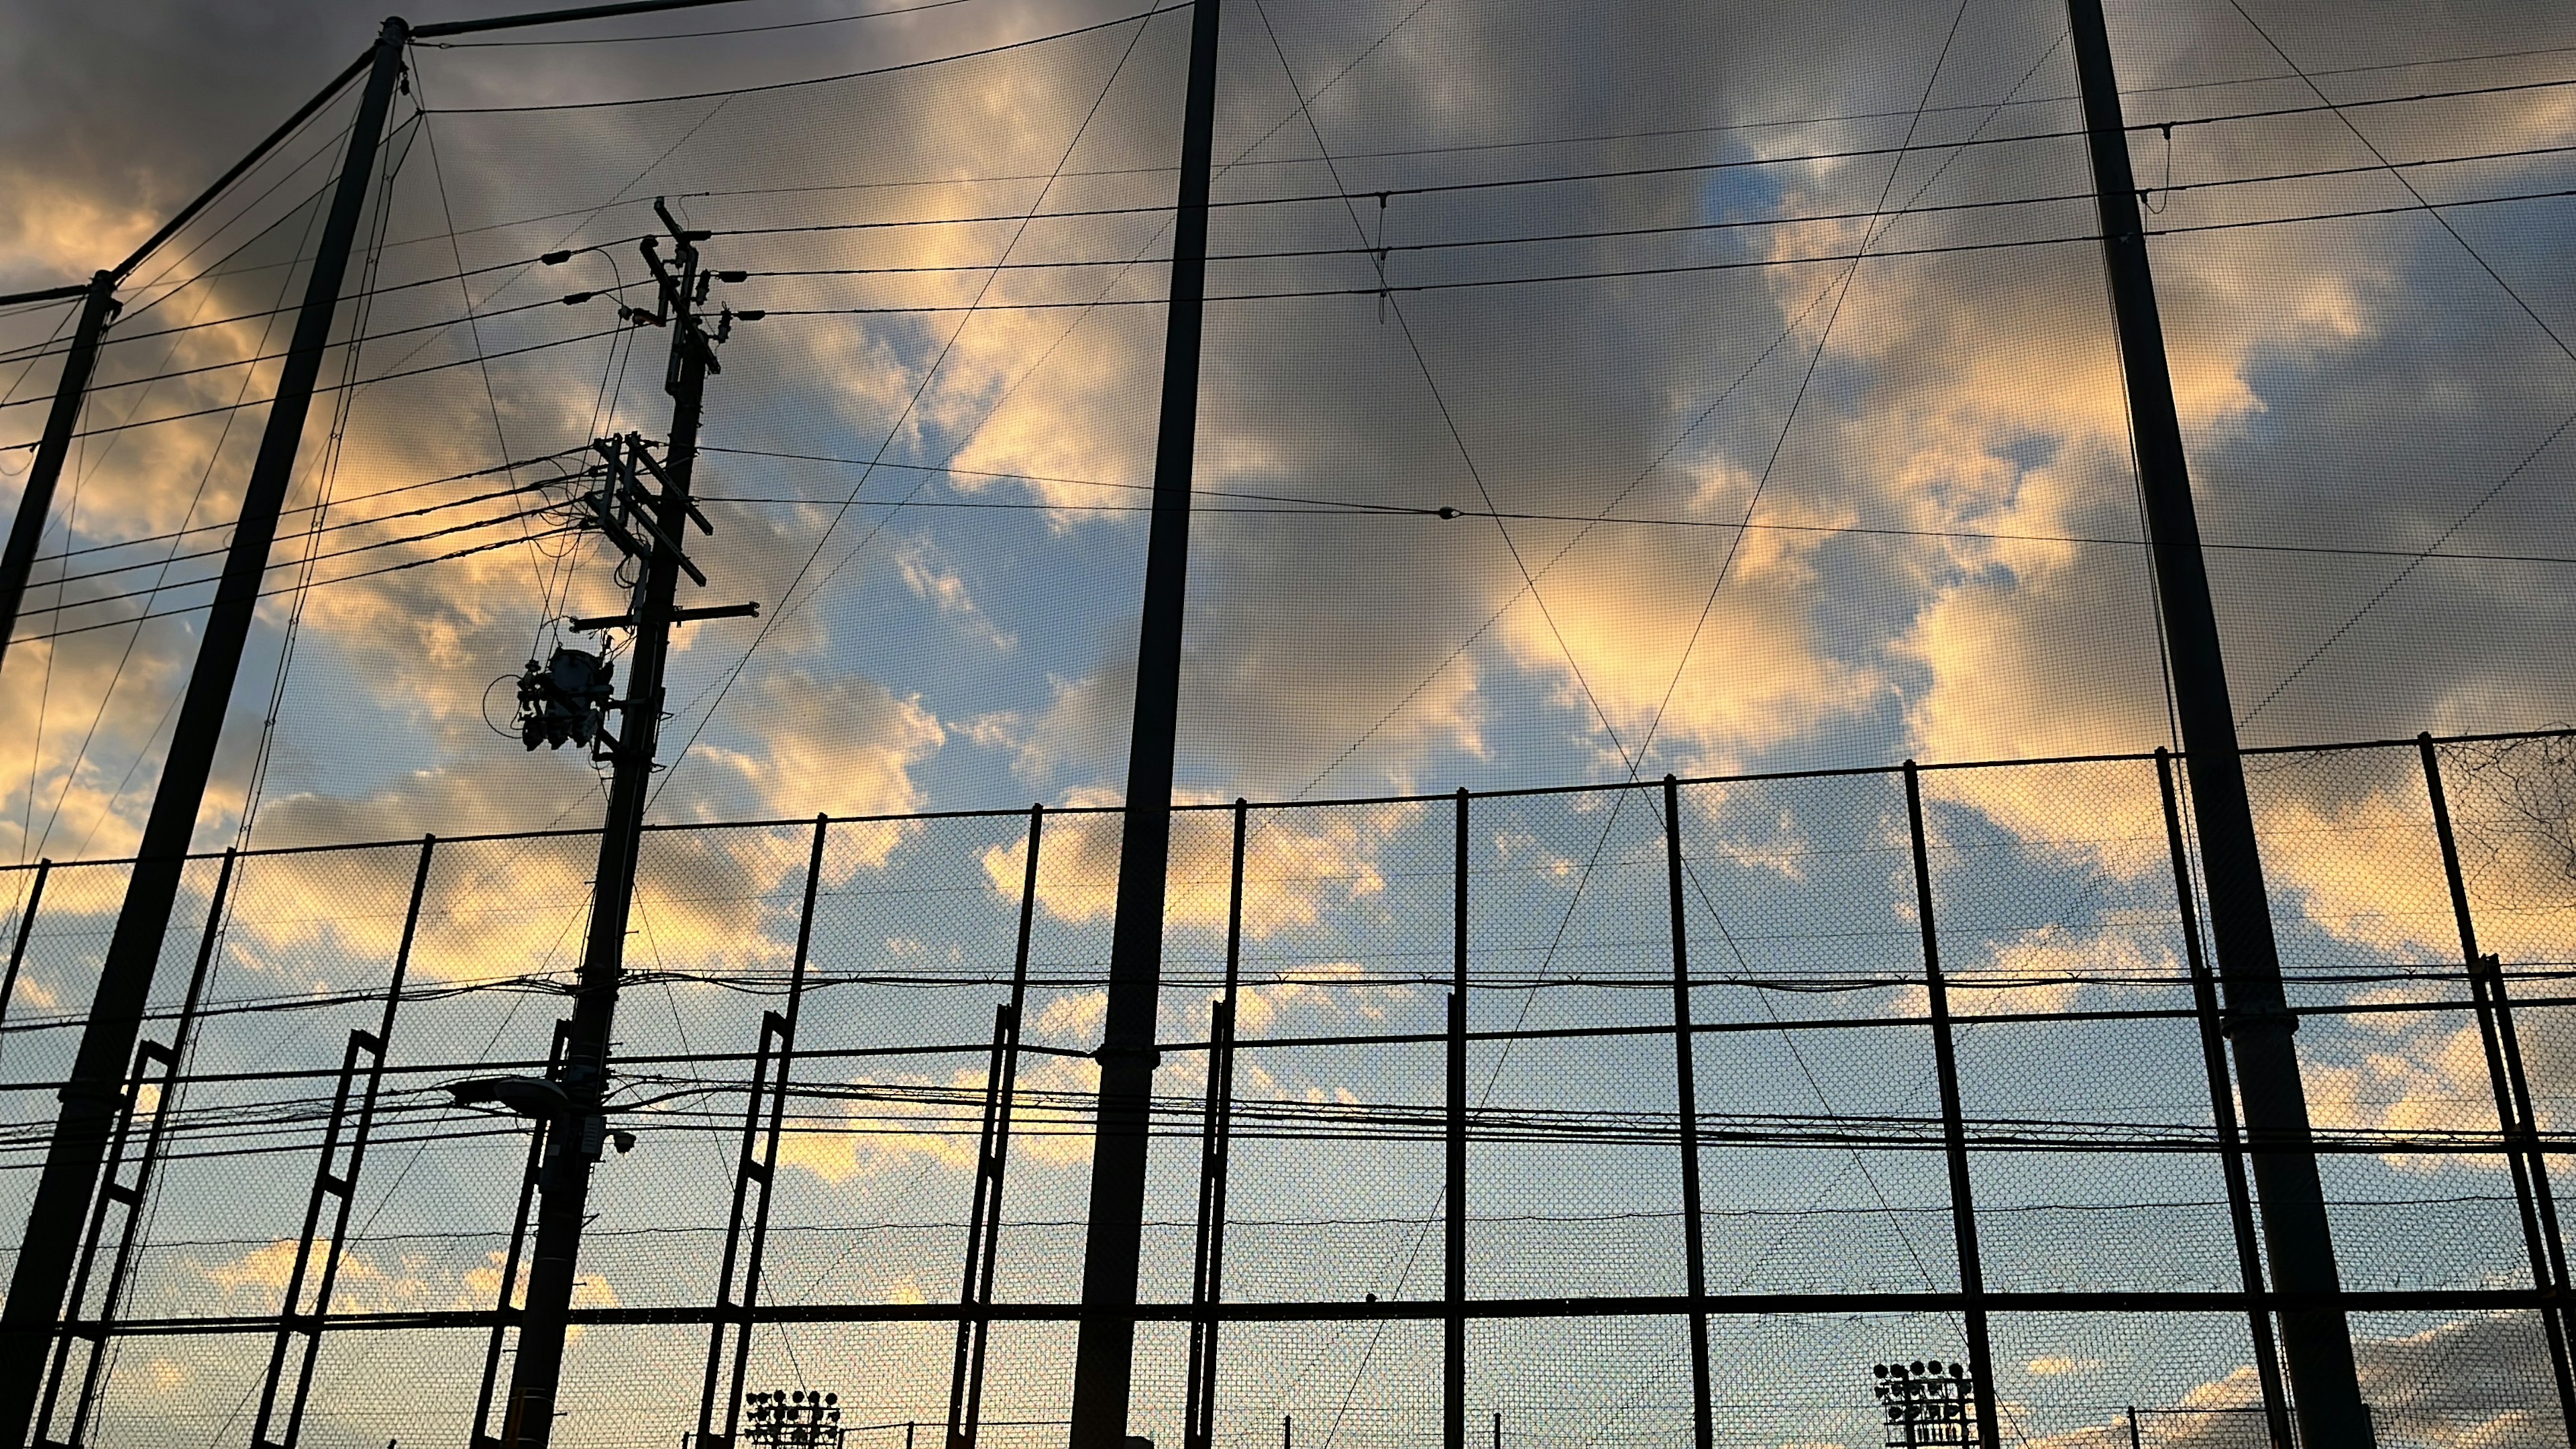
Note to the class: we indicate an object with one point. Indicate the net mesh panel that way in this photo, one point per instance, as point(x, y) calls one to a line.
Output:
point(1822, 1162)
point(1766, 364)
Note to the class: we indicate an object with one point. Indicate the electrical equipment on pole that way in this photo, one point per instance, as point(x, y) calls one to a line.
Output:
point(639, 503)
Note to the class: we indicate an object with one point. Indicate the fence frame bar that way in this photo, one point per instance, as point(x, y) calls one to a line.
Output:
point(763, 1170)
point(505, 1317)
point(1954, 1128)
point(1686, 1095)
point(2222, 1116)
point(2522, 1155)
point(343, 1187)
point(135, 1195)
point(18, 943)
point(1216, 1142)
point(1453, 1357)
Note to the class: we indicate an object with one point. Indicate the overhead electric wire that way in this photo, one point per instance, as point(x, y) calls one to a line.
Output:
point(397, 489)
point(363, 382)
point(354, 294)
point(494, 521)
point(442, 325)
point(2340, 631)
point(1347, 196)
point(275, 593)
point(788, 600)
point(1753, 263)
point(344, 524)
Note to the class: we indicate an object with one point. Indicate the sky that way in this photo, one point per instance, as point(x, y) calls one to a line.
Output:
point(1762, 361)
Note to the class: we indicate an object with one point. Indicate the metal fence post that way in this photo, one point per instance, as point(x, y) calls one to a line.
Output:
point(1686, 1089)
point(757, 1163)
point(1453, 1358)
point(1207, 1258)
point(2520, 1133)
point(1954, 1127)
point(341, 1186)
point(2222, 1116)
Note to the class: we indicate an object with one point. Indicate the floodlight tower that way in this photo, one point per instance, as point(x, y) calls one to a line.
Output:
point(1926, 1403)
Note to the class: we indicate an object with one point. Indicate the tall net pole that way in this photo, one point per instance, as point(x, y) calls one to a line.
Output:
point(1103, 1356)
point(2315, 1340)
point(92, 1095)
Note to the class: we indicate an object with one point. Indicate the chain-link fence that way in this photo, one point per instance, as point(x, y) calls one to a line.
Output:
point(1956, 1060)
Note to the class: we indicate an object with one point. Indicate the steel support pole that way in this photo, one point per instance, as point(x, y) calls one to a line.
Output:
point(125, 976)
point(36, 501)
point(2317, 1343)
point(2522, 1158)
point(1954, 1127)
point(1686, 1092)
point(2222, 1116)
point(1453, 1358)
point(1104, 1352)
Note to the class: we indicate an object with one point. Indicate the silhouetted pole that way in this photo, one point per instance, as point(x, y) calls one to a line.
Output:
point(575, 1142)
point(90, 1096)
point(36, 503)
point(1103, 1357)
point(2316, 1343)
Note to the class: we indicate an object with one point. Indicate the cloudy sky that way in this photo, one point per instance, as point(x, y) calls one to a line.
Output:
point(1760, 356)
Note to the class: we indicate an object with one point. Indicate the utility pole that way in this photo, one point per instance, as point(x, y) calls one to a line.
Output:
point(98, 307)
point(1104, 1351)
point(92, 1095)
point(2316, 1342)
point(648, 526)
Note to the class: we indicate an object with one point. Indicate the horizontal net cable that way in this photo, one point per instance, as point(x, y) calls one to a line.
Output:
point(689, 34)
point(633, 1063)
point(770, 86)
